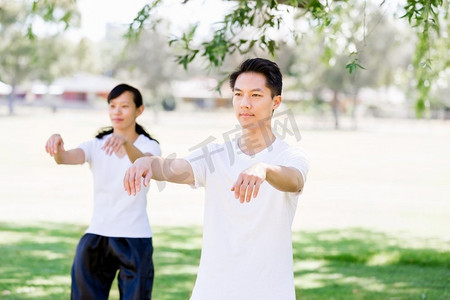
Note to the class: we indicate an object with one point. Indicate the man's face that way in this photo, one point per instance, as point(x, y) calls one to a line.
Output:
point(252, 100)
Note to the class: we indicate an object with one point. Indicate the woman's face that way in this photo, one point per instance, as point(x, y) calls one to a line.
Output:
point(123, 112)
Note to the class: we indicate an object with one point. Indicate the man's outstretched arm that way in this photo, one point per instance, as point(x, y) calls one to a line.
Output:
point(176, 170)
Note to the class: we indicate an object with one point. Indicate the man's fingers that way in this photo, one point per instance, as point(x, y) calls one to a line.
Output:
point(237, 191)
point(236, 187)
point(147, 178)
point(248, 189)
point(132, 182)
point(245, 188)
point(133, 177)
point(126, 185)
point(242, 190)
point(249, 182)
point(137, 183)
point(249, 193)
point(256, 190)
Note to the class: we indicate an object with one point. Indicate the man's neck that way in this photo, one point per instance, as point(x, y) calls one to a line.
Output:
point(254, 141)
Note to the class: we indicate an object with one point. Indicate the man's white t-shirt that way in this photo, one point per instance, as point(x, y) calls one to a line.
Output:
point(116, 214)
point(247, 247)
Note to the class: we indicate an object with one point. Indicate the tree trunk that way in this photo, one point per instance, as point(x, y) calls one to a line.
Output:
point(11, 99)
point(355, 106)
point(335, 108)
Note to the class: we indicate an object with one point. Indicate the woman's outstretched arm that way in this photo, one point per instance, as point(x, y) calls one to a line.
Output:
point(55, 147)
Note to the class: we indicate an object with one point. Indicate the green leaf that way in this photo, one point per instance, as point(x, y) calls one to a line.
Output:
point(30, 34)
point(361, 67)
point(173, 40)
point(34, 7)
point(48, 16)
point(354, 65)
point(66, 19)
point(350, 67)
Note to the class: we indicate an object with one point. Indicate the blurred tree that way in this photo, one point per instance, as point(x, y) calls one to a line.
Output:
point(87, 57)
point(148, 63)
point(34, 57)
point(321, 57)
point(426, 16)
point(261, 18)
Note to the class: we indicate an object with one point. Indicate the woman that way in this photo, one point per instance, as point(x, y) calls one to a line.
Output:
point(119, 236)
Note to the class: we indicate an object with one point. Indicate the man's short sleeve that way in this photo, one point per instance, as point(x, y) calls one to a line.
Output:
point(297, 158)
point(199, 167)
point(149, 146)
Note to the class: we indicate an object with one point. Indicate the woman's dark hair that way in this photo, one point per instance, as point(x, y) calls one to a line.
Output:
point(137, 98)
point(270, 70)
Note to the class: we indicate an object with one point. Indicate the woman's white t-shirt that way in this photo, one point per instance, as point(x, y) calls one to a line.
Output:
point(116, 214)
point(247, 247)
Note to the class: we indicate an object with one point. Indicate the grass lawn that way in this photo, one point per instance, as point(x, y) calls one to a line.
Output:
point(35, 263)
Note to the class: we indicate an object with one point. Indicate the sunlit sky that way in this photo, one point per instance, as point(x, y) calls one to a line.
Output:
point(96, 14)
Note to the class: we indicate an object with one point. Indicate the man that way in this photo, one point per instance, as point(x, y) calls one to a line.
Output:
point(252, 184)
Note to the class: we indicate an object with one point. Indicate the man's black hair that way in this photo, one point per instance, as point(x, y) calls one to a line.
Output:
point(270, 70)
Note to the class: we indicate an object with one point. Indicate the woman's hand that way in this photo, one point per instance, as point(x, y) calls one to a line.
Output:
point(114, 143)
point(54, 144)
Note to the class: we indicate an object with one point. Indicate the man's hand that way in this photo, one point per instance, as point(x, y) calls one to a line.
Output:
point(249, 181)
point(132, 179)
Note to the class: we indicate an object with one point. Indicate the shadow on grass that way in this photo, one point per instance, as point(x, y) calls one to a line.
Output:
point(35, 263)
point(360, 264)
point(176, 258)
